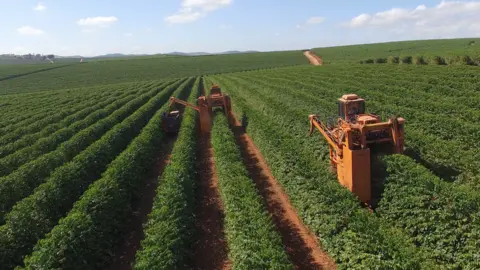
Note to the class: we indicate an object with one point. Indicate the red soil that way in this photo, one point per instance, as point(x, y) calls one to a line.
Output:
point(300, 243)
point(210, 248)
point(125, 256)
point(313, 58)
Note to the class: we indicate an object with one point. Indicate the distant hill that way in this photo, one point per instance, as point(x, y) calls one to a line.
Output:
point(348, 53)
point(11, 59)
point(187, 54)
point(118, 55)
point(205, 53)
point(237, 52)
point(73, 56)
point(426, 48)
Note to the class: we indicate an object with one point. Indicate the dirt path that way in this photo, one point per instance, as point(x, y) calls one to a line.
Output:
point(126, 254)
point(313, 58)
point(300, 244)
point(210, 248)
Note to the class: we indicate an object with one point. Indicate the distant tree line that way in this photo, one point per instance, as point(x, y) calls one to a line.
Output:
point(30, 56)
point(425, 60)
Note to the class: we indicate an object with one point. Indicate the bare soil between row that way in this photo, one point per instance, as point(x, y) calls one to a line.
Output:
point(125, 256)
point(300, 243)
point(210, 248)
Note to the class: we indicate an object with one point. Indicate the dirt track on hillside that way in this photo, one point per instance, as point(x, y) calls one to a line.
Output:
point(313, 58)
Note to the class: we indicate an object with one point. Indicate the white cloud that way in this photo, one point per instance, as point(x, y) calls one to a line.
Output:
point(360, 20)
point(128, 34)
point(442, 12)
point(192, 10)
point(30, 31)
point(185, 15)
point(101, 22)
point(448, 18)
point(315, 20)
point(421, 7)
point(311, 21)
point(208, 5)
point(40, 7)
point(225, 27)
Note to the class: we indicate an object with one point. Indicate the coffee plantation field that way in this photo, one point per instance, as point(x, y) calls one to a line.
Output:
point(89, 179)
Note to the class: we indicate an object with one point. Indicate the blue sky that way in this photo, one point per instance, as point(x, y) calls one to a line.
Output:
point(145, 26)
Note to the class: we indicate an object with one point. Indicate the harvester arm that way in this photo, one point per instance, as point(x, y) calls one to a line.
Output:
point(176, 100)
point(316, 123)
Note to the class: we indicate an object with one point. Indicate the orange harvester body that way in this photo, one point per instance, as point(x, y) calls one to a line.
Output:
point(205, 105)
point(355, 138)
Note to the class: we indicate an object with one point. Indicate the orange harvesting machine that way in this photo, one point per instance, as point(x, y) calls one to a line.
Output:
point(205, 106)
point(355, 137)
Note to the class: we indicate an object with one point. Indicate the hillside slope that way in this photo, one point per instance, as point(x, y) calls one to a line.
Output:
point(441, 47)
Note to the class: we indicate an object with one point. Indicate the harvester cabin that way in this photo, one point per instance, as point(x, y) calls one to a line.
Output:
point(215, 91)
point(349, 106)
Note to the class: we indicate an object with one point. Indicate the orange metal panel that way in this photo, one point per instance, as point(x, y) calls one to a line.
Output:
point(341, 175)
point(205, 117)
point(357, 172)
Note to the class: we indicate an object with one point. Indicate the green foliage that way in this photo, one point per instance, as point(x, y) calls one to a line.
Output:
point(427, 48)
point(85, 237)
point(461, 60)
point(53, 152)
point(253, 242)
point(14, 135)
point(23, 181)
point(393, 59)
point(437, 60)
point(422, 60)
point(169, 229)
point(419, 60)
point(355, 238)
point(406, 60)
point(44, 113)
point(153, 68)
point(36, 215)
point(82, 111)
point(443, 218)
point(436, 102)
point(62, 133)
point(476, 61)
point(41, 105)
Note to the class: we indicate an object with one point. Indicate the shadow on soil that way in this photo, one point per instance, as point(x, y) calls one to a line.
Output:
point(125, 256)
point(210, 247)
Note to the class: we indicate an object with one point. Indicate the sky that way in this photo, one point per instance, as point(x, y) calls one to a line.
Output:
point(95, 27)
